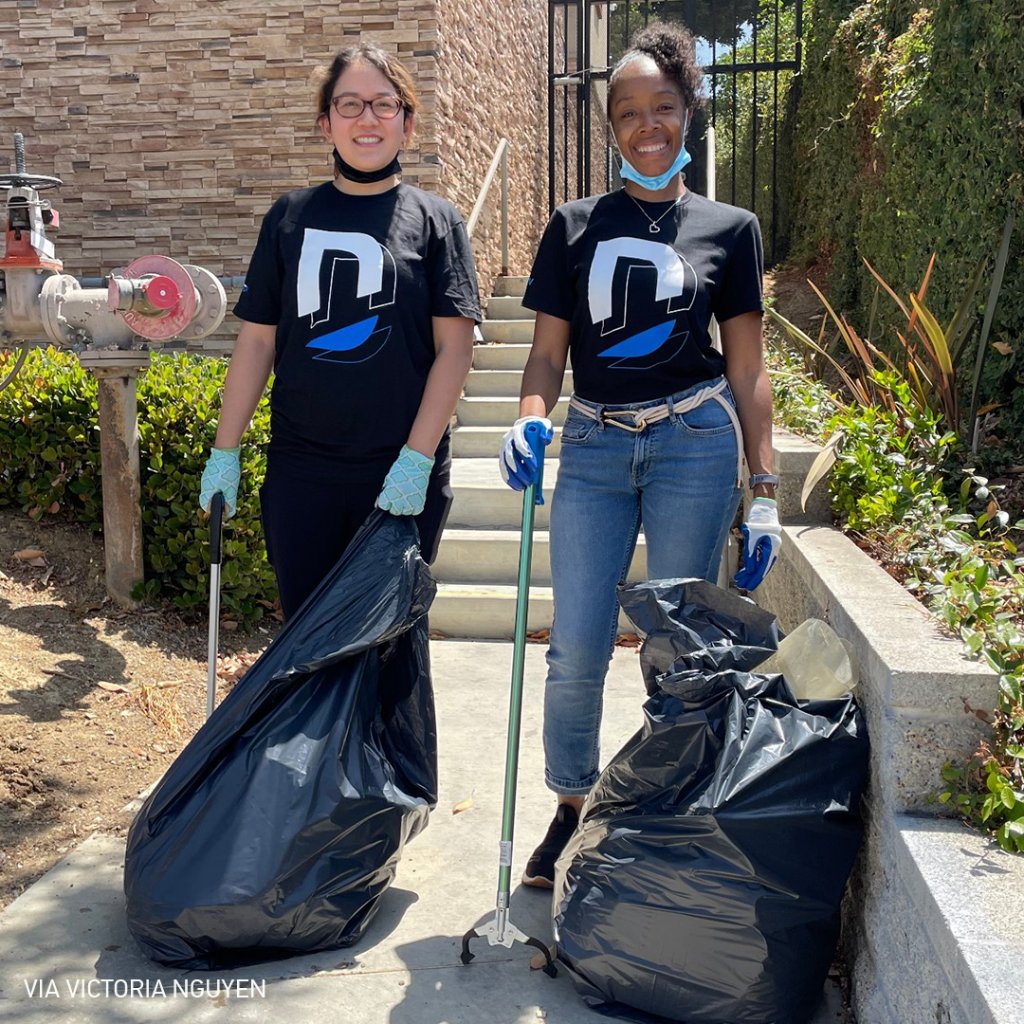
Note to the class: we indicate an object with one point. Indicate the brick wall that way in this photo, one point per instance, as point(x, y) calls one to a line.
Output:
point(175, 123)
point(491, 83)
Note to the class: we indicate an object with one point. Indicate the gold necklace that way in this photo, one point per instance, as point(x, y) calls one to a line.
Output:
point(653, 229)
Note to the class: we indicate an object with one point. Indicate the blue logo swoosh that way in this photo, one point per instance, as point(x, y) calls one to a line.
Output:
point(347, 338)
point(642, 344)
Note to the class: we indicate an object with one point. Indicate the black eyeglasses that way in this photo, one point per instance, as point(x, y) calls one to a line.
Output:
point(385, 107)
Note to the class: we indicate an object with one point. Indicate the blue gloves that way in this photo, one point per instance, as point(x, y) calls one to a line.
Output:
point(517, 463)
point(222, 473)
point(405, 487)
point(762, 542)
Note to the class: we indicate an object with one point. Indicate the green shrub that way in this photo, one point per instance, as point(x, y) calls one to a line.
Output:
point(179, 404)
point(889, 464)
point(49, 440)
point(49, 454)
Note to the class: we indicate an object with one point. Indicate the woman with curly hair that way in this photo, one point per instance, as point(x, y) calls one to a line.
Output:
point(660, 421)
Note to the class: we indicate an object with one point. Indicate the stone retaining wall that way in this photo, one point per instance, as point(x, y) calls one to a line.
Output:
point(909, 948)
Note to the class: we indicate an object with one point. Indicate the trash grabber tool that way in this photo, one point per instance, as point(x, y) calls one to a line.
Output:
point(501, 931)
point(216, 520)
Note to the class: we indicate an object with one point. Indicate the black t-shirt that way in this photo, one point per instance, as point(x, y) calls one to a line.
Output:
point(640, 303)
point(352, 283)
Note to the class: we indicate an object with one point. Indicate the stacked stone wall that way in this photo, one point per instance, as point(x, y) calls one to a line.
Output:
point(174, 124)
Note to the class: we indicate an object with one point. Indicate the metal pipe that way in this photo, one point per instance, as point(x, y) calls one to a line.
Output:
point(551, 109)
point(504, 211)
point(485, 188)
point(753, 128)
point(83, 310)
point(101, 282)
point(775, 141)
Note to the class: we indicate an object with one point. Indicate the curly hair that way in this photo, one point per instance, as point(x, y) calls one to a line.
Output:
point(325, 78)
point(673, 49)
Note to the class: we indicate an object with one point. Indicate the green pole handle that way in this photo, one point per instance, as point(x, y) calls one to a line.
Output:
point(532, 497)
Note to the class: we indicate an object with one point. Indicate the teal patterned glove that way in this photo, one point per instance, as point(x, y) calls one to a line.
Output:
point(222, 473)
point(405, 487)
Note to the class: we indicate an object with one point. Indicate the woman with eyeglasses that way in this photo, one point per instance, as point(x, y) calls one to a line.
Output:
point(659, 421)
point(361, 296)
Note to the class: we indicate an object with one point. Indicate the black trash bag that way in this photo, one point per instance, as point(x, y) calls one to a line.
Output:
point(704, 882)
point(280, 825)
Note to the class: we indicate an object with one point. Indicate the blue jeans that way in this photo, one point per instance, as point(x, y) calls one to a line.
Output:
point(678, 478)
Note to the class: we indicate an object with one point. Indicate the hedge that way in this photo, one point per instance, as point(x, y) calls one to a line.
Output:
point(910, 141)
point(50, 465)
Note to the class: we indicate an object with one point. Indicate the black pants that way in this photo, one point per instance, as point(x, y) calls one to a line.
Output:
point(309, 517)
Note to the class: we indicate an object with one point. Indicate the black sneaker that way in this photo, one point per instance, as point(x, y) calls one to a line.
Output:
point(540, 869)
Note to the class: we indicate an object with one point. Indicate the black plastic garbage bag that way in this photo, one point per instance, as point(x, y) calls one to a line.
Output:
point(705, 879)
point(280, 825)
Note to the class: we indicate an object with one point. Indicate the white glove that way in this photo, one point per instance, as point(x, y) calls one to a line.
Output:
point(517, 462)
point(762, 543)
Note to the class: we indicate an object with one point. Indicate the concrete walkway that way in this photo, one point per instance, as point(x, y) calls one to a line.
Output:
point(66, 954)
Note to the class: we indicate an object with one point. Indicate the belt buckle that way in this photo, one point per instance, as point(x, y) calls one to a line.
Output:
point(613, 419)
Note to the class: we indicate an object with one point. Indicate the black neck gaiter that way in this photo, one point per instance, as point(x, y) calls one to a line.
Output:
point(365, 177)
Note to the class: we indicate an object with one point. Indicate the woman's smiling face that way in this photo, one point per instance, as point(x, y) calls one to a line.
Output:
point(366, 142)
point(648, 117)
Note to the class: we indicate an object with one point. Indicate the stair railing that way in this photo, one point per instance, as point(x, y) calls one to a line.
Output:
point(500, 160)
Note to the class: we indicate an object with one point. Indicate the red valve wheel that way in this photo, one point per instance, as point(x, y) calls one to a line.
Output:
point(179, 314)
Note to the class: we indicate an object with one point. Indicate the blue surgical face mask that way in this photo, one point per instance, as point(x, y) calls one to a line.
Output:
point(656, 184)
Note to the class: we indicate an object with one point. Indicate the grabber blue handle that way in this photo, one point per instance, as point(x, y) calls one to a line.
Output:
point(534, 434)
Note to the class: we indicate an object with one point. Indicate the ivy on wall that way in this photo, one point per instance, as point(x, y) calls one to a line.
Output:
point(910, 140)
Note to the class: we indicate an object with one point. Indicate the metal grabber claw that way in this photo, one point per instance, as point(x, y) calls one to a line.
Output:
point(501, 931)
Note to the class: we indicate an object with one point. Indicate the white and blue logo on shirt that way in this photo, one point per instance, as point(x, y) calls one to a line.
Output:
point(646, 263)
point(321, 299)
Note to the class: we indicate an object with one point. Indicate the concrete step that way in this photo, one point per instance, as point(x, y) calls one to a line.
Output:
point(483, 501)
point(492, 557)
point(519, 331)
point(508, 307)
point(500, 356)
point(489, 612)
point(500, 412)
point(484, 442)
point(502, 384)
point(486, 612)
point(509, 285)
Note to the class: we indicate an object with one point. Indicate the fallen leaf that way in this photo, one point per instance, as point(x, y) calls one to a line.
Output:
point(228, 625)
point(112, 687)
point(28, 554)
point(539, 961)
point(462, 805)
point(627, 640)
point(37, 563)
point(539, 636)
point(1002, 348)
point(54, 508)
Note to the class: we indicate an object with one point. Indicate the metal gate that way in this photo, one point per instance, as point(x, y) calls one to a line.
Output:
point(750, 51)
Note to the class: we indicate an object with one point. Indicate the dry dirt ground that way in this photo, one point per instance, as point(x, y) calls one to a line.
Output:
point(95, 701)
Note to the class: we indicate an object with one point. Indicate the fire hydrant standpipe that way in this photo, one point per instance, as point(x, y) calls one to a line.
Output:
point(153, 298)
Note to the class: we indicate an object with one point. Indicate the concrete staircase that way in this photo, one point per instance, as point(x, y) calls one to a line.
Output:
point(478, 562)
